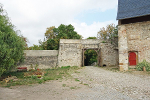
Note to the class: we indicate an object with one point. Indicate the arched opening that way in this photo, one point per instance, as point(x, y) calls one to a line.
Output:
point(132, 58)
point(104, 65)
point(90, 57)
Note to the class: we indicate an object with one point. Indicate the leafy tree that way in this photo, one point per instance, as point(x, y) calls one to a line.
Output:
point(66, 32)
point(52, 44)
point(109, 33)
point(35, 47)
point(49, 34)
point(91, 38)
point(90, 57)
point(11, 45)
point(53, 35)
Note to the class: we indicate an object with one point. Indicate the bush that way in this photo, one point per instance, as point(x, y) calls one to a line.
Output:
point(145, 64)
point(11, 45)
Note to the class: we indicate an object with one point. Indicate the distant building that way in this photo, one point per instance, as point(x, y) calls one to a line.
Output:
point(134, 32)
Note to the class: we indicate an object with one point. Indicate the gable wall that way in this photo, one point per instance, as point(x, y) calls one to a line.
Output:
point(134, 37)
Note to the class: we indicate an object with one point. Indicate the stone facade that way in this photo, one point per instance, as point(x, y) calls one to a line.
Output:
point(43, 58)
point(134, 37)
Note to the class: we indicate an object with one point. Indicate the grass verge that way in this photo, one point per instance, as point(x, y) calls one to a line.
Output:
point(27, 78)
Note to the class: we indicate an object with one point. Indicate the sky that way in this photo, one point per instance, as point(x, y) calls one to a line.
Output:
point(32, 17)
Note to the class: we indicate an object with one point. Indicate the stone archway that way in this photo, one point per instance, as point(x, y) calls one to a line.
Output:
point(96, 50)
point(71, 52)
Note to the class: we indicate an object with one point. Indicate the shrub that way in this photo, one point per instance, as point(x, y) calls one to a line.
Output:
point(11, 45)
point(142, 64)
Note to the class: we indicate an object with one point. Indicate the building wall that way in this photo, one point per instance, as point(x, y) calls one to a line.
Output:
point(43, 58)
point(134, 37)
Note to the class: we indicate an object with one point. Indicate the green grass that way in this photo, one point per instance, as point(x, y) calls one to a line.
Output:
point(49, 74)
point(72, 87)
point(75, 87)
point(76, 72)
point(85, 84)
point(64, 85)
point(76, 79)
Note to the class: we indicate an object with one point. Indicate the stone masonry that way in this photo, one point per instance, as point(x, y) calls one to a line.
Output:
point(71, 52)
point(134, 37)
point(42, 58)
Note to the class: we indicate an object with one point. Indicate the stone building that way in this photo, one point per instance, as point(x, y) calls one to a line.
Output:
point(134, 32)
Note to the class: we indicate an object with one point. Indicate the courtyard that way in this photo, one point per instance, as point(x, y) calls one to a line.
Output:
point(86, 83)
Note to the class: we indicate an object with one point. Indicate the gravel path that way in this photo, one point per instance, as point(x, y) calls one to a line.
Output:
point(92, 83)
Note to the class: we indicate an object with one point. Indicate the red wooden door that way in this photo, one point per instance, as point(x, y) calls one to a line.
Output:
point(132, 58)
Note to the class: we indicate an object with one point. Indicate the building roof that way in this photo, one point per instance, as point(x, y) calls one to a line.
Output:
point(133, 8)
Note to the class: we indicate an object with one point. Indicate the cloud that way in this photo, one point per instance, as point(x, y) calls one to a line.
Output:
point(90, 30)
point(32, 17)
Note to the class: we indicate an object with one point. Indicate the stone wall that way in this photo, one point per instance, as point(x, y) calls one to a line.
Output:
point(134, 37)
point(71, 52)
point(43, 58)
point(109, 55)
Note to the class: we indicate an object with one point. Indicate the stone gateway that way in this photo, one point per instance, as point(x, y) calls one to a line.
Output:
point(71, 53)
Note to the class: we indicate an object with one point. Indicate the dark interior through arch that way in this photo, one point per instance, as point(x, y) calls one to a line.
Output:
point(90, 57)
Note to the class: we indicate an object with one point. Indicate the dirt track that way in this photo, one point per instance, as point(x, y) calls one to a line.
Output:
point(92, 83)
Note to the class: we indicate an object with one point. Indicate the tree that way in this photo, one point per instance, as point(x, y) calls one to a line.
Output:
point(34, 47)
point(53, 35)
point(52, 44)
point(90, 57)
point(109, 33)
point(66, 32)
point(49, 34)
point(91, 38)
point(11, 45)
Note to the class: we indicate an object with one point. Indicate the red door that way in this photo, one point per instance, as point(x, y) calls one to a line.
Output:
point(132, 58)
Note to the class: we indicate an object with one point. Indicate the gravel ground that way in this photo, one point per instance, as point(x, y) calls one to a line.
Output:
point(93, 84)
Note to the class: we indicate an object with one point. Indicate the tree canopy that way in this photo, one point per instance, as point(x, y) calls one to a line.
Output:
point(109, 33)
point(53, 36)
point(91, 38)
point(11, 45)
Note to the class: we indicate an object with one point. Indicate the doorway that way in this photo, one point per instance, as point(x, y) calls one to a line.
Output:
point(132, 58)
point(90, 57)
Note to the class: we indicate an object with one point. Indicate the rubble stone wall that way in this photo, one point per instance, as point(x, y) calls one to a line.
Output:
point(134, 37)
point(43, 58)
point(109, 55)
point(70, 52)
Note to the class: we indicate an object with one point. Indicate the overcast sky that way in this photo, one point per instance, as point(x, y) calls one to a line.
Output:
point(32, 17)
